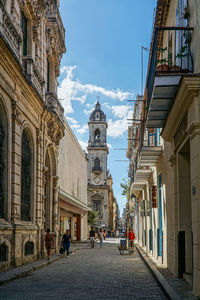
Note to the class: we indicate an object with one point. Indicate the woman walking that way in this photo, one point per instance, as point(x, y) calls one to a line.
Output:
point(66, 239)
point(48, 242)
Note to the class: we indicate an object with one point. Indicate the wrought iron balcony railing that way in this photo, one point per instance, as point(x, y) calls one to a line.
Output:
point(170, 54)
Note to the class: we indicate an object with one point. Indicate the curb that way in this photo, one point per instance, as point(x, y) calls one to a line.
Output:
point(32, 269)
point(158, 276)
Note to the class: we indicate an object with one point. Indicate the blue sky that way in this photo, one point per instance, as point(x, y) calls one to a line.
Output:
point(103, 58)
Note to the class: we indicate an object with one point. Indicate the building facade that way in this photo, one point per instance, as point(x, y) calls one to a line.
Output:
point(32, 41)
point(113, 210)
point(97, 165)
point(171, 99)
point(72, 196)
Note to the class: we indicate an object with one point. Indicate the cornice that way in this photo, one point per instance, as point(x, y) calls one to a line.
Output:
point(188, 89)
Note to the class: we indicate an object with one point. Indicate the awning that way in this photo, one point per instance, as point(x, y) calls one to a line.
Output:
point(149, 155)
point(73, 201)
point(164, 92)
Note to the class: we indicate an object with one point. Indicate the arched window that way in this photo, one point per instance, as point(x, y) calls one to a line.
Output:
point(24, 27)
point(97, 134)
point(97, 164)
point(2, 167)
point(97, 205)
point(3, 252)
point(29, 248)
point(26, 164)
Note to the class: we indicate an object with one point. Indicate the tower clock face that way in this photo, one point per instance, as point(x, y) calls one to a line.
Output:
point(97, 180)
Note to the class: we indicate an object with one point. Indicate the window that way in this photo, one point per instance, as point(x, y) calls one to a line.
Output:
point(97, 164)
point(48, 76)
point(181, 36)
point(26, 163)
point(97, 134)
point(2, 166)
point(97, 205)
point(29, 248)
point(24, 33)
point(3, 253)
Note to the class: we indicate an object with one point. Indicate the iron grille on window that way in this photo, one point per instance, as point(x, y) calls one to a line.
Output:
point(29, 248)
point(25, 179)
point(3, 253)
point(2, 136)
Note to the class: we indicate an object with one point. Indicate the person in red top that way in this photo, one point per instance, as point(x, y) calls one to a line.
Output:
point(131, 237)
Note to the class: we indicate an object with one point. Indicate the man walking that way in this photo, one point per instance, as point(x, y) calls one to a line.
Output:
point(92, 236)
point(66, 239)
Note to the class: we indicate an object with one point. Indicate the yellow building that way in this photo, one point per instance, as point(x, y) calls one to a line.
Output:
point(32, 41)
point(72, 172)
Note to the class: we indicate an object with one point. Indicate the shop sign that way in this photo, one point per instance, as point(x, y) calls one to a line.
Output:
point(153, 191)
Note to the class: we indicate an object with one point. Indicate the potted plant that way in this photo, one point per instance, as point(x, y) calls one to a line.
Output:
point(162, 63)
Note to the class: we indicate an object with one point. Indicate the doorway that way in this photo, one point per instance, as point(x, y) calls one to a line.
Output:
point(185, 244)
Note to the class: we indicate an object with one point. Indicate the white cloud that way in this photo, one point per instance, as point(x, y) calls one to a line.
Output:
point(83, 129)
point(88, 111)
point(120, 111)
point(117, 128)
point(73, 90)
point(71, 120)
point(106, 105)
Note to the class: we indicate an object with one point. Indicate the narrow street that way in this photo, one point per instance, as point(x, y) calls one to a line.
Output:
point(99, 273)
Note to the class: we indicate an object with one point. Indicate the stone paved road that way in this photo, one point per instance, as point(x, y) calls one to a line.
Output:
point(99, 273)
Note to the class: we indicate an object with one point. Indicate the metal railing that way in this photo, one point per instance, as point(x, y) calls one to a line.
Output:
point(170, 54)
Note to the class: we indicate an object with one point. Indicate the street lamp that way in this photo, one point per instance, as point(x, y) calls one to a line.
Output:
point(133, 197)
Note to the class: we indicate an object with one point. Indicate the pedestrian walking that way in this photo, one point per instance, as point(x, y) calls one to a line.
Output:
point(101, 237)
point(66, 239)
point(49, 242)
point(104, 235)
point(92, 236)
point(131, 237)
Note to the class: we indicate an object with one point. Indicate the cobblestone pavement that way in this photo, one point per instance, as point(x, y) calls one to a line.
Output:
point(99, 273)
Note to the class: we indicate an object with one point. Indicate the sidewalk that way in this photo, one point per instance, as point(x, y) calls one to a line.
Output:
point(175, 288)
point(22, 271)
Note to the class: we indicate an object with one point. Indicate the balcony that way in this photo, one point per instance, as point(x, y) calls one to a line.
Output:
point(97, 170)
point(170, 60)
point(54, 19)
point(54, 106)
point(140, 175)
point(151, 149)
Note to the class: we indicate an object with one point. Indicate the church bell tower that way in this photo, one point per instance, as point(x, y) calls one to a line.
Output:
point(97, 164)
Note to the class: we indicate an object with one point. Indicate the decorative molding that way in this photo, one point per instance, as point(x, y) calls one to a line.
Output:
point(172, 159)
point(16, 112)
point(194, 130)
point(188, 89)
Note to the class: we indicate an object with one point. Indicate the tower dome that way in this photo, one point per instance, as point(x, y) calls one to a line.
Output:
point(98, 114)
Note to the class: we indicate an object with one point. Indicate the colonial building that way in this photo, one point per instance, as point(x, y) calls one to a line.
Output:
point(97, 165)
point(32, 41)
point(166, 171)
point(113, 211)
point(72, 171)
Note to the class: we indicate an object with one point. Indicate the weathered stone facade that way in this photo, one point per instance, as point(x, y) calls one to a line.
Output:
point(97, 164)
point(32, 41)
